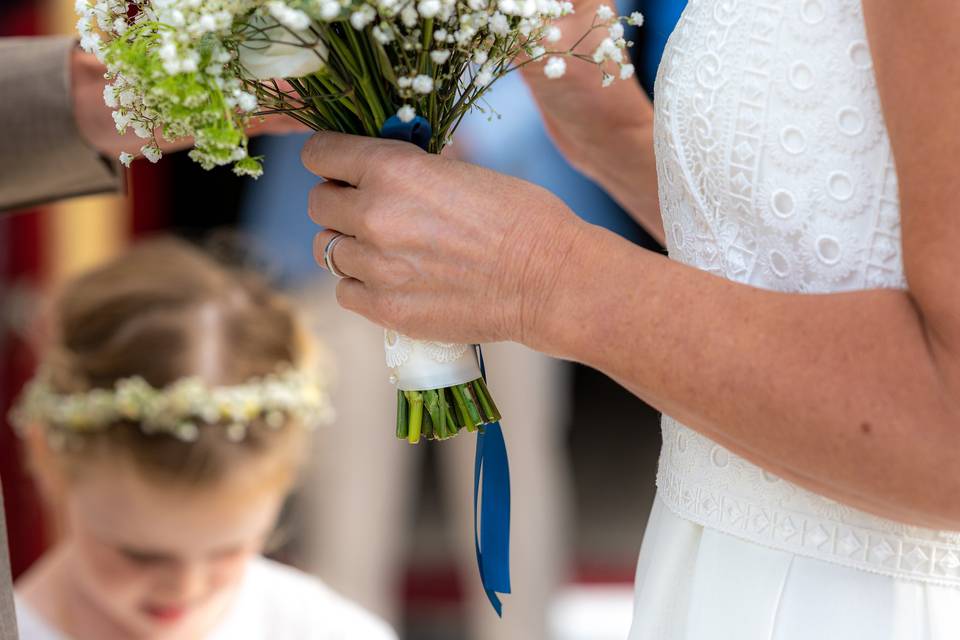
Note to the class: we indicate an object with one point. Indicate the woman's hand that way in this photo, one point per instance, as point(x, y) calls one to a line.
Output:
point(581, 115)
point(440, 249)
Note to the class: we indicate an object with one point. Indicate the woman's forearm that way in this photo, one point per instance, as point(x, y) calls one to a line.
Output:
point(625, 167)
point(839, 392)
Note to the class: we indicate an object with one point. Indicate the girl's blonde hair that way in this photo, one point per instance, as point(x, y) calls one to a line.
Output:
point(164, 312)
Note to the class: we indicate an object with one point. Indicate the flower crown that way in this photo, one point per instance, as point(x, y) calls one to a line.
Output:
point(179, 408)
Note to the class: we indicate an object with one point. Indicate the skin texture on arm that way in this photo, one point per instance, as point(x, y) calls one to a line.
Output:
point(853, 395)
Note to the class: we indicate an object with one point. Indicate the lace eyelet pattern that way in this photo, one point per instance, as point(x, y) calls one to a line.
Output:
point(776, 170)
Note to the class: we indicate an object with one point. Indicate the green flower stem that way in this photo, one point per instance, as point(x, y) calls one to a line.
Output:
point(475, 419)
point(452, 426)
point(442, 415)
point(369, 91)
point(428, 431)
point(483, 396)
point(432, 406)
point(403, 424)
point(439, 414)
point(415, 400)
point(423, 63)
point(461, 406)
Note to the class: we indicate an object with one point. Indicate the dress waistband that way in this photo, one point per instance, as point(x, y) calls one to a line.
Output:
point(705, 483)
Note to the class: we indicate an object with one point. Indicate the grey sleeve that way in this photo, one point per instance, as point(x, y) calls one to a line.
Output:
point(8, 617)
point(42, 154)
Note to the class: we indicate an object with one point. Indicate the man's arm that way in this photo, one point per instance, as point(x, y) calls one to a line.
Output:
point(43, 154)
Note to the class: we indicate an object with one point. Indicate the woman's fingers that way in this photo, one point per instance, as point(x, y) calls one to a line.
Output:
point(334, 205)
point(351, 159)
point(348, 256)
point(355, 296)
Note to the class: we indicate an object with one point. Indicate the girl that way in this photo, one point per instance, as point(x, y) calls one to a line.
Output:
point(165, 428)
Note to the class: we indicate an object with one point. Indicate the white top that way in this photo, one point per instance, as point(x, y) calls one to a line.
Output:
point(776, 170)
point(275, 602)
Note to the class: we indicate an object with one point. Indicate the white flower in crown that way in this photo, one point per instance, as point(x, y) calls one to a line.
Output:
point(178, 408)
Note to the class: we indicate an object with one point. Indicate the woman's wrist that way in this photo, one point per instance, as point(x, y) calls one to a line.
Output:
point(558, 308)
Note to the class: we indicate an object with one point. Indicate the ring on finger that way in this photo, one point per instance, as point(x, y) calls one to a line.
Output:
point(328, 254)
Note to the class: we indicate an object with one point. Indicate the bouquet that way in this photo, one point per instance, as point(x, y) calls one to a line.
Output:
point(410, 69)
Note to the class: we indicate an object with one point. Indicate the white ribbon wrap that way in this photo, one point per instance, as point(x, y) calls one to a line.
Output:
point(419, 365)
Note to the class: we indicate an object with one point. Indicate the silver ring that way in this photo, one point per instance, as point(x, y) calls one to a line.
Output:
point(328, 254)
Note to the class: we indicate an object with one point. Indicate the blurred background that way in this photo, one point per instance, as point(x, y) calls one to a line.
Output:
point(583, 451)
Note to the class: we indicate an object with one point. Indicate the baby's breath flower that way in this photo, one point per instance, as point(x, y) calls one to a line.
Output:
point(383, 33)
point(247, 101)
point(202, 68)
point(362, 17)
point(635, 19)
point(110, 96)
point(151, 152)
point(406, 113)
point(126, 158)
point(409, 16)
point(422, 84)
point(291, 18)
point(555, 67)
point(330, 10)
point(607, 80)
point(429, 8)
point(626, 71)
point(607, 50)
point(484, 77)
point(499, 25)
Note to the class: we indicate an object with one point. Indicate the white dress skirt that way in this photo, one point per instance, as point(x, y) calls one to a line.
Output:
point(776, 171)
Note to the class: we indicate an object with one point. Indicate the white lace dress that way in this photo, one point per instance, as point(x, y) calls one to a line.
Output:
point(776, 171)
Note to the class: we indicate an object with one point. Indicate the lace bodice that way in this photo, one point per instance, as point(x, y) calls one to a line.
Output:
point(776, 170)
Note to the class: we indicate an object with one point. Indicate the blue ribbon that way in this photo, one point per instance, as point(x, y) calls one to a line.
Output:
point(418, 131)
point(491, 471)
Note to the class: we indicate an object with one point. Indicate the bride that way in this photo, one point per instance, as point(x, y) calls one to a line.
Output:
point(803, 339)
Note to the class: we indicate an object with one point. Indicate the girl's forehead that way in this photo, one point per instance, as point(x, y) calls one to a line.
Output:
point(119, 506)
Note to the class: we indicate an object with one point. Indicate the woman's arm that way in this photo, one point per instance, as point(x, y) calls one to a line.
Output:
point(606, 133)
point(861, 389)
point(854, 395)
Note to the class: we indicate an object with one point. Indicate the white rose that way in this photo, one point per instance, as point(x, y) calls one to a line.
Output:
point(285, 57)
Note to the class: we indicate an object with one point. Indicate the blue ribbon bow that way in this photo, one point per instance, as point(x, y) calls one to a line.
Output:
point(491, 472)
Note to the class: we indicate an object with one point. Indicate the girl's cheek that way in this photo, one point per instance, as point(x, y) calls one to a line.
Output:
point(109, 569)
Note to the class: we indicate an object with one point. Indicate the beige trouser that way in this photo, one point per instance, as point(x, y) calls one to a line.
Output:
point(356, 494)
